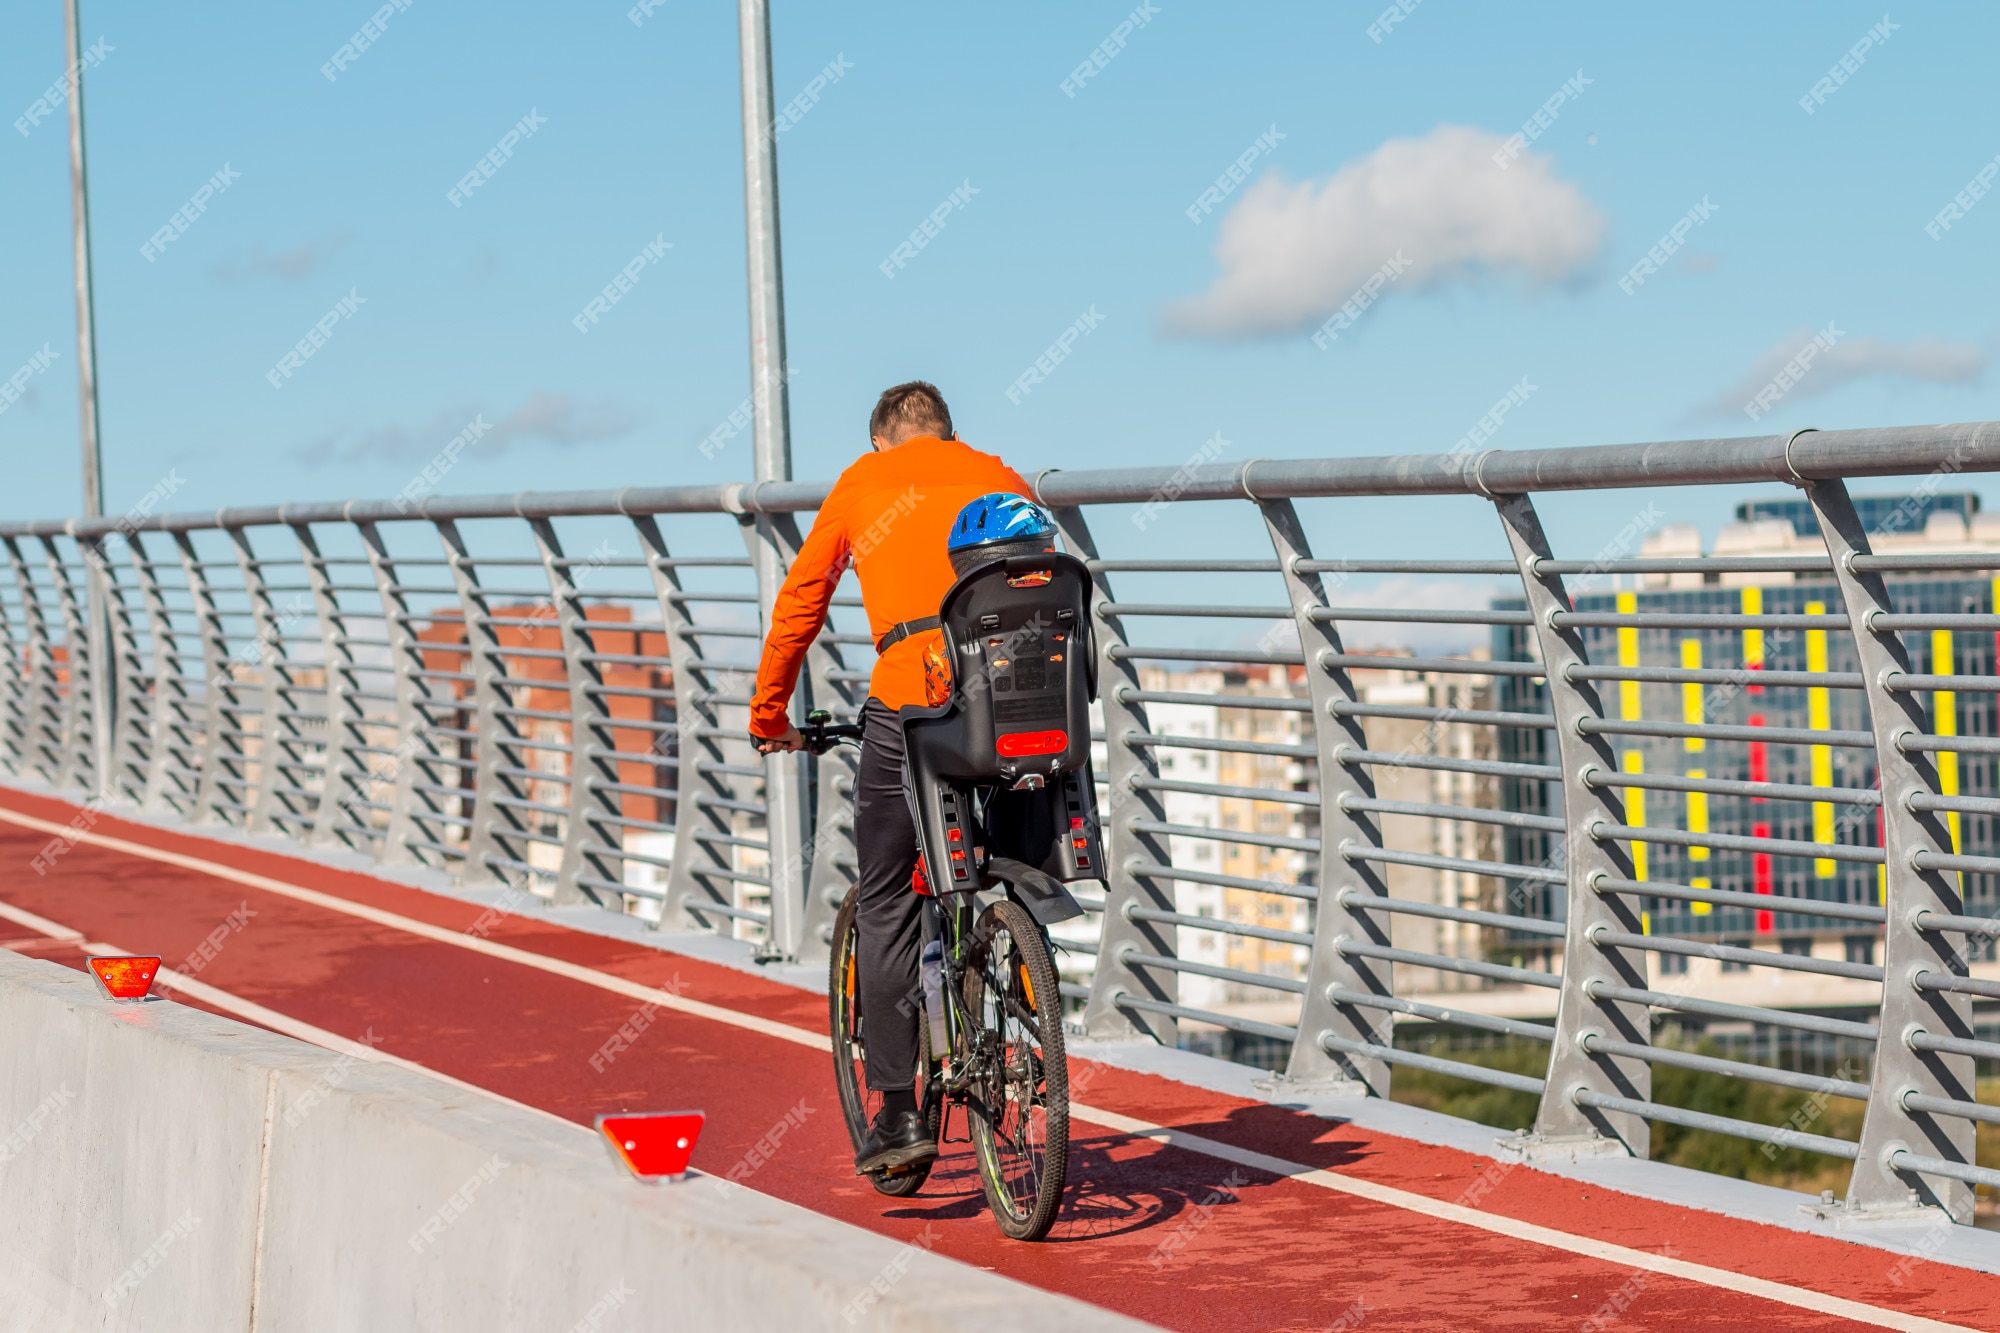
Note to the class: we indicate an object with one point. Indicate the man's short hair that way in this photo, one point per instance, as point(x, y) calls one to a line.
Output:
point(910, 410)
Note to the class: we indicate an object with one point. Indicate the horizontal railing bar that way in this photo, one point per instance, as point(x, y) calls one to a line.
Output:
point(1230, 1021)
point(1398, 616)
point(1604, 937)
point(1121, 652)
point(1904, 1160)
point(1152, 870)
point(1836, 1027)
point(1721, 620)
point(1832, 680)
point(1220, 925)
point(1471, 717)
point(1898, 682)
point(615, 886)
point(1605, 831)
point(1141, 782)
point(1926, 980)
point(1239, 837)
point(1852, 740)
point(1709, 1064)
point(1923, 859)
point(1496, 869)
point(1889, 620)
point(1335, 1045)
point(1925, 919)
point(1277, 703)
point(1491, 768)
point(1775, 791)
point(1471, 967)
point(1182, 566)
point(1513, 1027)
point(1951, 1105)
point(1142, 739)
point(1470, 814)
point(1920, 743)
point(1108, 610)
point(1265, 981)
point(1947, 1045)
point(1468, 666)
point(1721, 1124)
point(1762, 902)
point(1375, 902)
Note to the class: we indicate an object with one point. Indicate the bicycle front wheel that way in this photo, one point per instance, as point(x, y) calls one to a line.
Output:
point(1020, 1091)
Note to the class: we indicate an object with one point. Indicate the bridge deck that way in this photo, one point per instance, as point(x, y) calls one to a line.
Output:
point(1189, 1208)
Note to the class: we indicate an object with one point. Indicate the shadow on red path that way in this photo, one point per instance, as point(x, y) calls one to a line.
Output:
point(1176, 1237)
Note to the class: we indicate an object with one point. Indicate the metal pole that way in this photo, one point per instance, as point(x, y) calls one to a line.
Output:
point(785, 793)
point(86, 381)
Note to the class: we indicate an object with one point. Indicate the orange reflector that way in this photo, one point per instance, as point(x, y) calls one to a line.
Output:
point(652, 1144)
point(1027, 986)
point(1017, 743)
point(125, 978)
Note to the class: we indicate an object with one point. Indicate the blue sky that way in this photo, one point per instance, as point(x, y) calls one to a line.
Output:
point(342, 188)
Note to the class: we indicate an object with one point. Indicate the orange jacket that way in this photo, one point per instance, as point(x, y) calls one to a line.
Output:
point(891, 511)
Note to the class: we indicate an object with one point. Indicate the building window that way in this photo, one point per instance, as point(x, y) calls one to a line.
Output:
point(1730, 964)
point(1799, 946)
point(1860, 948)
point(1673, 964)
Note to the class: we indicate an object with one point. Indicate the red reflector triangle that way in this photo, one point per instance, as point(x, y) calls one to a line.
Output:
point(125, 978)
point(652, 1144)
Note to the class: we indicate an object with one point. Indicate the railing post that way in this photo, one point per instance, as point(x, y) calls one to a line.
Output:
point(1889, 1127)
point(16, 718)
point(590, 741)
point(270, 663)
point(482, 651)
point(344, 725)
point(168, 709)
point(700, 763)
point(774, 541)
point(1125, 846)
point(412, 727)
point(217, 750)
point(43, 716)
point(1561, 1124)
point(79, 747)
point(1322, 1013)
point(124, 700)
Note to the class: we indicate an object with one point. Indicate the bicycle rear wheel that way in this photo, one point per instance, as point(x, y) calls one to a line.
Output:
point(1020, 1098)
point(850, 1052)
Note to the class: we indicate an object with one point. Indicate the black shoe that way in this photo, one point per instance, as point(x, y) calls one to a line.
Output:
point(894, 1141)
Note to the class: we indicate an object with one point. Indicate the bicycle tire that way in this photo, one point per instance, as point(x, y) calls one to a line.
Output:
point(846, 1025)
point(1023, 1183)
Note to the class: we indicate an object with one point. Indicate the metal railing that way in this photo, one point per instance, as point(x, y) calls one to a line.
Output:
point(550, 690)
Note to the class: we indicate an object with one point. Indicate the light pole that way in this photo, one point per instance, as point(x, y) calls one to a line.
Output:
point(785, 789)
point(96, 591)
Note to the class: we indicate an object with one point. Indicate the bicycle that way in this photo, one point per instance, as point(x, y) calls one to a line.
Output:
point(989, 997)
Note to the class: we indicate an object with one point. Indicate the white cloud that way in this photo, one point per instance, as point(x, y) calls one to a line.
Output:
point(1926, 361)
point(1290, 254)
point(301, 261)
point(554, 419)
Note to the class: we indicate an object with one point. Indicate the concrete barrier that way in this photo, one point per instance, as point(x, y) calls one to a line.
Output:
point(165, 1170)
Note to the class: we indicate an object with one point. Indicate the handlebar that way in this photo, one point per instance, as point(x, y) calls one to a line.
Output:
point(821, 733)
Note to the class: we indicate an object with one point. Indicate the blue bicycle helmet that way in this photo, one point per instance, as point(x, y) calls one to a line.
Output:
point(997, 525)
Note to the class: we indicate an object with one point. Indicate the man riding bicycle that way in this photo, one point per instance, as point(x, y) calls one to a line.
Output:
point(890, 514)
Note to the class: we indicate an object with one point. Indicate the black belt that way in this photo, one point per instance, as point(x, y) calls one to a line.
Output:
point(903, 631)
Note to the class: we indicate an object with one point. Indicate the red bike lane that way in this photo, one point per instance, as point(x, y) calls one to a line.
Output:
point(1250, 1219)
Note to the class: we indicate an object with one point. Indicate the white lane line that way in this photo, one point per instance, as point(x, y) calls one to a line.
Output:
point(665, 999)
point(1720, 1278)
point(216, 998)
point(1624, 1256)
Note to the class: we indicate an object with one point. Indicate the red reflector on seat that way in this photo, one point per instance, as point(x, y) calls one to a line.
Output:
point(1017, 743)
point(125, 978)
point(652, 1144)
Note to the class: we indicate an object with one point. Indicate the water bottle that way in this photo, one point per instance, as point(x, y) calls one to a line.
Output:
point(931, 972)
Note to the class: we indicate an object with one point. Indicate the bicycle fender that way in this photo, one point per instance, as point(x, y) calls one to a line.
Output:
point(1041, 893)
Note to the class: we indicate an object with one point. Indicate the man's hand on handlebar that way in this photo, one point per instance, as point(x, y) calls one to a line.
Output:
point(791, 740)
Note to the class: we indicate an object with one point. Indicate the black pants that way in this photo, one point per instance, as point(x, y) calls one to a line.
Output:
point(888, 915)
